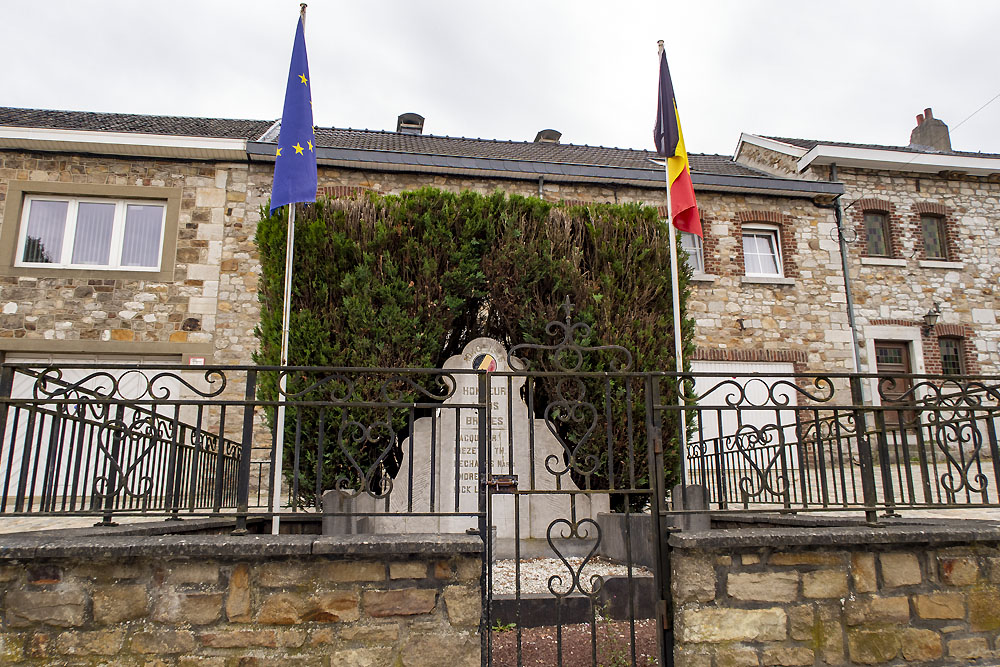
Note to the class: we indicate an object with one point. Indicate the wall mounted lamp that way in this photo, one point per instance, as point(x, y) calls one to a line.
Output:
point(930, 319)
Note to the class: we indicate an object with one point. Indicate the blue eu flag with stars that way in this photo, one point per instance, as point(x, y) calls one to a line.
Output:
point(295, 161)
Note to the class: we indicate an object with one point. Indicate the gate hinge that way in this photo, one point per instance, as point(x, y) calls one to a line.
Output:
point(667, 621)
point(502, 483)
point(657, 443)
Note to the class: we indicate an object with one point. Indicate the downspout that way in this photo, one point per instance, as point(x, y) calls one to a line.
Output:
point(541, 183)
point(839, 213)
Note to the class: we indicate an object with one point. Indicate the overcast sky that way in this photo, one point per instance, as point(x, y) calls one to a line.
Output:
point(848, 71)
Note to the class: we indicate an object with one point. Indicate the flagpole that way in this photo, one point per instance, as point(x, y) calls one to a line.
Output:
point(676, 302)
point(286, 316)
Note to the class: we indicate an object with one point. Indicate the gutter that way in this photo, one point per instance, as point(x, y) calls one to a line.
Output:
point(550, 171)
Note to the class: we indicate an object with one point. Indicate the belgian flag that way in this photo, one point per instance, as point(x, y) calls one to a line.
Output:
point(670, 144)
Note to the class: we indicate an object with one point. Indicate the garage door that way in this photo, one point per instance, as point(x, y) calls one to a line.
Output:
point(744, 442)
point(64, 457)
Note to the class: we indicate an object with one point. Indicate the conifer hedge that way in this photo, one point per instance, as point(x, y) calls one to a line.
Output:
point(406, 281)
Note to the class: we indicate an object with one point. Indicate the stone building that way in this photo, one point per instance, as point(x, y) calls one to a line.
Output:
point(922, 233)
point(195, 187)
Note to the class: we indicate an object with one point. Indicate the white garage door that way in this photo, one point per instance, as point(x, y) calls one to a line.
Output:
point(54, 456)
point(744, 444)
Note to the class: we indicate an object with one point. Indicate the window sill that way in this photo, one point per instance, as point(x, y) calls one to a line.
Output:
point(163, 275)
point(939, 264)
point(704, 278)
point(882, 261)
point(766, 280)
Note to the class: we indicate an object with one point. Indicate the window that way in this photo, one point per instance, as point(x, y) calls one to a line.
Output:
point(952, 360)
point(78, 233)
point(761, 251)
point(693, 247)
point(877, 234)
point(935, 245)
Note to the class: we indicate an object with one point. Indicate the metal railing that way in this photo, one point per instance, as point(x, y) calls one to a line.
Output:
point(87, 439)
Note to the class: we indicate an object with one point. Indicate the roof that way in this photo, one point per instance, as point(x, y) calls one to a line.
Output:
point(223, 128)
point(527, 151)
point(809, 144)
point(222, 138)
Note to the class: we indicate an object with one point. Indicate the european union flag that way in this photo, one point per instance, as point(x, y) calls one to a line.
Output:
point(295, 162)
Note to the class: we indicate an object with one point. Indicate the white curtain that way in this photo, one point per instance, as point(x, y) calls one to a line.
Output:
point(92, 244)
point(46, 225)
point(141, 245)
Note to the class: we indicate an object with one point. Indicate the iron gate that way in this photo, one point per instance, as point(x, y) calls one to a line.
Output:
point(566, 581)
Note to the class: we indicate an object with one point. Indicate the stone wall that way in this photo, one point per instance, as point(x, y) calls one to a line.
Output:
point(253, 600)
point(837, 596)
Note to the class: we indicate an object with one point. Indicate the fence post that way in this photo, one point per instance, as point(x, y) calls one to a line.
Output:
point(864, 451)
point(114, 467)
point(243, 478)
point(658, 510)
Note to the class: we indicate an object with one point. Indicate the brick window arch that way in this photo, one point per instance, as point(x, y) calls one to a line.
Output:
point(948, 348)
point(935, 235)
point(877, 216)
point(782, 224)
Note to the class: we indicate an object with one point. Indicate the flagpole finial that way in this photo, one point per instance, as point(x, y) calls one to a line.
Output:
point(659, 46)
point(302, 10)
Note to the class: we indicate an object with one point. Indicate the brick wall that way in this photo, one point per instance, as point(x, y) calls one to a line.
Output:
point(265, 606)
point(838, 602)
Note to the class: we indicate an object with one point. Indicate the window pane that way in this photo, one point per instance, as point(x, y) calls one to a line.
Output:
point(92, 244)
point(141, 245)
point(760, 253)
point(875, 230)
point(46, 226)
point(692, 245)
point(933, 237)
point(951, 356)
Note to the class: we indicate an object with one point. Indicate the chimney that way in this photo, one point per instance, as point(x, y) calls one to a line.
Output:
point(930, 133)
point(410, 123)
point(548, 137)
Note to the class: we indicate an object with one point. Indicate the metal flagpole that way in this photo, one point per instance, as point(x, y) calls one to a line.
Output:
point(286, 315)
point(675, 295)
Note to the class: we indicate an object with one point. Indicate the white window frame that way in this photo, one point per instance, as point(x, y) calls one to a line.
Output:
point(698, 254)
point(69, 233)
point(764, 230)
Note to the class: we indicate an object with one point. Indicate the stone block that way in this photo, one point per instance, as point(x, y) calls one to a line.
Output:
point(402, 602)
point(940, 605)
point(443, 570)
point(365, 657)
point(281, 574)
point(100, 642)
point(282, 609)
point(723, 625)
point(188, 608)
point(968, 649)
point(114, 604)
point(351, 571)
point(801, 622)
point(408, 570)
point(792, 558)
point(11, 648)
point(790, 656)
point(238, 595)
point(163, 642)
point(863, 573)
point(900, 569)
point(62, 608)
point(464, 605)
point(333, 607)
point(921, 645)
point(687, 657)
point(433, 650)
point(209, 197)
point(984, 609)
point(693, 579)
point(468, 569)
point(200, 661)
point(763, 586)
point(735, 656)
point(749, 559)
point(252, 638)
point(382, 633)
point(871, 647)
point(958, 571)
point(824, 584)
point(191, 572)
point(894, 610)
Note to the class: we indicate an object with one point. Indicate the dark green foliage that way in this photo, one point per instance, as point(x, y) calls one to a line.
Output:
point(407, 281)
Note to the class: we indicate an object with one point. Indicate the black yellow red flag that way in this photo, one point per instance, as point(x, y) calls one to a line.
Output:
point(669, 142)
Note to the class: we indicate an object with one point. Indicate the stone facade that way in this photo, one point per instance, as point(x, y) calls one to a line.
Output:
point(891, 294)
point(851, 604)
point(391, 609)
